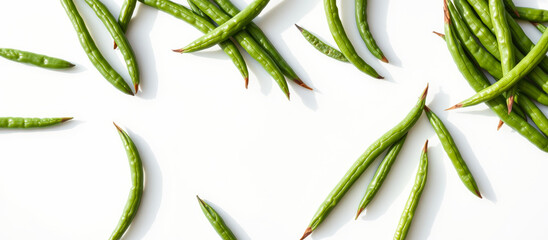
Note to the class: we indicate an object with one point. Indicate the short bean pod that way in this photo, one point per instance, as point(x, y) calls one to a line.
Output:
point(34, 59)
point(321, 46)
point(216, 221)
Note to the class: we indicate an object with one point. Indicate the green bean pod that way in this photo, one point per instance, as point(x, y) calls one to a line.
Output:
point(380, 175)
point(532, 14)
point(196, 10)
point(19, 122)
point(227, 29)
point(503, 34)
point(540, 27)
point(478, 81)
point(128, 7)
point(533, 92)
point(453, 152)
point(483, 33)
point(361, 164)
point(262, 39)
point(247, 42)
point(363, 28)
point(511, 7)
point(34, 59)
point(344, 44)
point(321, 46)
point(534, 113)
point(216, 221)
point(119, 37)
point(202, 24)
point(137, 186)
point(414, 197)
point(92, 51)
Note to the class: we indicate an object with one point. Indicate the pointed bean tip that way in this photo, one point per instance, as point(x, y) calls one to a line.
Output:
point(425, 148)
point(66, 119)
point(439, 34)
point(115, 46)
point(427, 109)
point(246, 82)
point(287, 95)
point(510, 104)
point(299, 27)
point(307, 232)
point(425, 92)
point(380, 77)
point(359, 212)
point(384, 59)
point(117, 127)
point(302, 84)
point(71, 65)
point(180, 50)
point(500, 124)
point(136, 87)
point(478, 194)
point(459, 105)
point(446, 17)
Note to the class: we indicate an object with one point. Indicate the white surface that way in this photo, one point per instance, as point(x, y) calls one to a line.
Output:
point(264, 163)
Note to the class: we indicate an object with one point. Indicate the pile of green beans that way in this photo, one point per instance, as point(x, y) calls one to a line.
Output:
point(501, 44)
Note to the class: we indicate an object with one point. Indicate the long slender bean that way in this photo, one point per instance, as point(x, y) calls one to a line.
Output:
point(414, 197)
point(92, 51)
point(372, 152)
point(365, 33)
point(534, 113)
point(532, 14)
point(216, 221)
point(344, 44)
point(227, 29)
point(137, 186)
point(119, 37)
point(247, 42)
point(380, 175)
point(453, 152)
point(34, 59)
point(321, 46)
point(262, 39)
point(19, 122)
point(202, 24)
point(125, 15)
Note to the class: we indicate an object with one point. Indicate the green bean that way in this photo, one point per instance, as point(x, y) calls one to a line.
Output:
point(261, 38)
point(511, 7)
point(414, 196)
point(532, 14)
point(216, 221)
point(380, 175)
point(137, 182)
point(478, 81)
point(540, 27)
point(34, 59)
point(196, 10)
point(92, 51)
point(372, 152)
point(533, 92)
point(321, 46)
point(119, 37)
point(125, 15)
point(453, 152)
point(344, 44)
point(202, 24)
point(247, 42)
point(484, 35)
point(534, 113)
point(19, 122)
point(226, 30)
point(363, 28)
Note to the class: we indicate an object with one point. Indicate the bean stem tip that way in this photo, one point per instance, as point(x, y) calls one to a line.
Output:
point(359, 212)
point(500, 124)
point(66, 119)
point(384, 59)
point(425, 92)
point(299, 27)
point(180, 50)
point(307, 232)
point(459, 105)
point(425, 148)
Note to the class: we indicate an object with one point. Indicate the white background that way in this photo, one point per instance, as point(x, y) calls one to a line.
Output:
point(263, 162)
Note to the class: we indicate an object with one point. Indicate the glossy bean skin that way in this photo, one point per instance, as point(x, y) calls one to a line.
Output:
point(34, 59)
point(137, 186)
point(534, 113)
point(503, 34)
point(381, 174)
point(247, 42)
point(321, 46)
point(92, 51)
point(344, 44)
point(453, 152)
point(261, 38)
point(216, 221)
point(365, 33)
point(202, 24)
point(196, 10)
point(363, 162)
point(128, 7)
point(19, 122)
point(227, 29)
point(474, 76)
point(532, 14)
point(120, 38)
point(414, 197)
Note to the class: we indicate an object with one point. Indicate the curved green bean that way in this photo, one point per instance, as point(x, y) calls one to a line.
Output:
point(92, 51)
point(247, 42)
point(453, 152)
point(414, 197)
point(372, 152)
point(363, 28)
point(202, 24)
point(321, 46)
point(137, 185)
point(380, 175)
point(478, 81)
point(227, 29)
point(216, 221)
point(262, 39)
point(532, 14)
point(344, 44)
point(534, 113)
point(34, 59)
point(19, 122)
point(119, 37)
point(125, 15)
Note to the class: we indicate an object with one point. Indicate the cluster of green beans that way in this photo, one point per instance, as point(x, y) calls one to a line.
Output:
point(501, 43)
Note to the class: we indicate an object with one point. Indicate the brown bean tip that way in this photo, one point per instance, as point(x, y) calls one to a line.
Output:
point(459, 105)
point(246, 82)
point(425, 148)
point(359, 212)
point(427, 109)
point(425, 92)
point(307, 232)
point(446, 17)
point(117, 127)
point(478, 194)
point(500, 124)
point(301, 83)
point(66, 119)
point(136, 87)
point(299, 27)
point(439, 34)
point(510, 103)
point(384, 59)
point(180, 50)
